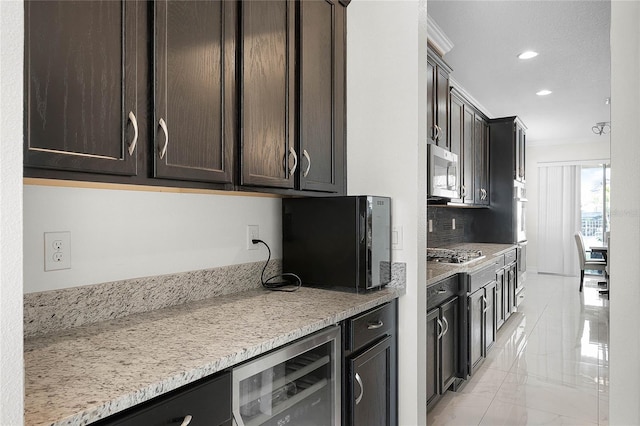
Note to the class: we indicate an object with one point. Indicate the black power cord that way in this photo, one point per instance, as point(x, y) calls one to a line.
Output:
point(285, 285)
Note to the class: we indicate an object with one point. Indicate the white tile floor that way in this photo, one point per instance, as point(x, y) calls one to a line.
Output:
point(550, 365)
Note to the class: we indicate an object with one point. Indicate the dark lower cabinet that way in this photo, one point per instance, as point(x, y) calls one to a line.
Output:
point(194, 126)
point(489, 316)
point(370, 374)
point(443, 343)
point(206, 402)
point(500, 293)
point(476, 329)
point(80, 86)
point(370, 368)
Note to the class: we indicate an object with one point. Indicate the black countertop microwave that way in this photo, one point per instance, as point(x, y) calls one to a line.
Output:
point(338, 242)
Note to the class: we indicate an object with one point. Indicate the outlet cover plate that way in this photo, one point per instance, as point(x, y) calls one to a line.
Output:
point(57, 251)
point(253, 233)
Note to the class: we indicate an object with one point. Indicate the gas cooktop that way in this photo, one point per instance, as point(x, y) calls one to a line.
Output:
point(453, 256)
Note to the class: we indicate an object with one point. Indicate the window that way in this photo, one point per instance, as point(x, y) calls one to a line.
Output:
point(594, 209)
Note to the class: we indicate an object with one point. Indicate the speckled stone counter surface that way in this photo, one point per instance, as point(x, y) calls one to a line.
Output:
point(79, 375)
point(438, 271)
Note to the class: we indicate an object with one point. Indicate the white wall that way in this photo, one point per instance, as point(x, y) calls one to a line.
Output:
point(572, 152)
point(386, 96)
point(119, 234)
point(11, 364)
point(625, 214)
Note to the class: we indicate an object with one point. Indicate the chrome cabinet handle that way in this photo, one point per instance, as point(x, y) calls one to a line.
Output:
point(442, 291)
point(374, 325)
point(446, 323)
point(441, 332)
point(134, 123)
point(463, 191)
point(436, 133)
point(295, 161)
point(187, 420)
point(306, 155)
point(163, 125)
point(486, 305)
point(359, 380)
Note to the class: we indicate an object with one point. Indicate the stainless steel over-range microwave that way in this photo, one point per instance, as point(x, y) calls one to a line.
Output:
point(442, 173)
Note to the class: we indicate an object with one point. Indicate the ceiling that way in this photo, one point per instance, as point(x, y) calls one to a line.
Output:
point(572, 39)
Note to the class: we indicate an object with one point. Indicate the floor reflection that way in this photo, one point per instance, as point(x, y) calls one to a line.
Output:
point(550, 363)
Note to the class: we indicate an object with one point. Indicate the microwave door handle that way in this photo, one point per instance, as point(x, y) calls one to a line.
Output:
point(362, 224)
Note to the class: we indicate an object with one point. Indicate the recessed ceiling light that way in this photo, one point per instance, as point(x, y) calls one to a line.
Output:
point(528, 54)
point(544, 92)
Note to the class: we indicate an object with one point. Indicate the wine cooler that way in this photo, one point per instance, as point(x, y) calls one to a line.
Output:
point(296, 385)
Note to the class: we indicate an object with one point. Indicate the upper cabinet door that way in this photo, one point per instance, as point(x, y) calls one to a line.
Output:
point(194, 128)
point(442, 97)
point(80, 86)
point(321, 50)
point(267, 78)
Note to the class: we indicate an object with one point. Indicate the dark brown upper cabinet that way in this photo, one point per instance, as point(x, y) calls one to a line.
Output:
point(194, 84)
point(293, 95)
point(80, 86)
point(267, 94)
point(321, 130)
point(437, 100)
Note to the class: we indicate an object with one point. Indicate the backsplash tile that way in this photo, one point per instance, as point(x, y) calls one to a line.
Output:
point(49, 311)
point(443, 234)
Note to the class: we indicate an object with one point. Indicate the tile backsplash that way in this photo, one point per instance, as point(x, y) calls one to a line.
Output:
point(443, 233)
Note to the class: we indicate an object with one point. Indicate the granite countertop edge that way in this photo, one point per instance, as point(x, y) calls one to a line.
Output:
point(437, 272)
point(52, 360)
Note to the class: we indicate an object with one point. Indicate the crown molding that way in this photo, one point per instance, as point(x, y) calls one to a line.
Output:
point(460, 89)
point(437, 38)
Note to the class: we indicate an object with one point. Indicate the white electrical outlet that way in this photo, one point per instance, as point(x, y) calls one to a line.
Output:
point(430, 225)
point(453, 224)
point(57, 251)
point(253, 233)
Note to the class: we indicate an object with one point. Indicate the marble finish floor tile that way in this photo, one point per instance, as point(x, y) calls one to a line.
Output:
point(549, 365)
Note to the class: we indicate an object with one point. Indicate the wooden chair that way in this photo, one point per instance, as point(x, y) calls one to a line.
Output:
point(591, 264)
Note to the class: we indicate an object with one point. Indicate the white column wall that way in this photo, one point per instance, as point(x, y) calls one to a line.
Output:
point(11, 349)
point(386, 97)
point(625, 214)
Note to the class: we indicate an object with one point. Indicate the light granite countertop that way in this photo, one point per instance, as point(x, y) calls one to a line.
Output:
point(80, 375)
point(438, 271)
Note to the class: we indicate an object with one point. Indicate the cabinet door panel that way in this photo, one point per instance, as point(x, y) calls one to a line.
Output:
point(469, 154)
point(456, 131)
point(80, 85)
point(449, 344)
point(194, 86)
point(431, 101)
point(442, 87)
point(267, 94)
point(476, 329)
point(489, 317)
point(370, 385)
point(321, 132)
point(500, 299)
point(433, 356)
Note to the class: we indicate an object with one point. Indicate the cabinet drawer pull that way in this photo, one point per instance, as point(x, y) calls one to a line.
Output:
point(359, 380)
point(295, 161)
point(134, 123)
point(374, 325)
point(442, 291)
point(183, 422)
point(163, 125)
point(306, 155)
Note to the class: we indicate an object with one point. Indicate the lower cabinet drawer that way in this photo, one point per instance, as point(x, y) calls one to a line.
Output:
point(207, 402)
point(369, 326)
